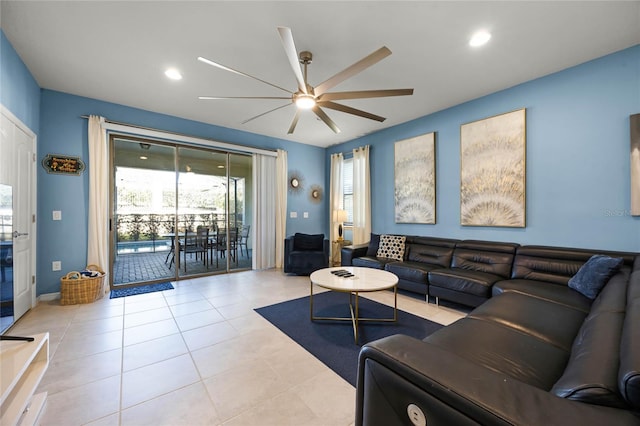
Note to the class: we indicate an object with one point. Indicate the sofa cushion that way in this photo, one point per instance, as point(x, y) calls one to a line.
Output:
point(523, 313)
point(433, 255)
point(484, 256)
point(555, 264)
point(410, 271)
point(594, 274)
point(371, 262)
point(307, 242)
point(374, 242)
point(391, 246)
point(465, 281)
point(504, 350)
point(591, 374)
point(629, 372)
point(556, 293)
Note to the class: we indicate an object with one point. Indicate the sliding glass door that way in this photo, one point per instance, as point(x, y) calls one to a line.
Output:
point(178, 211)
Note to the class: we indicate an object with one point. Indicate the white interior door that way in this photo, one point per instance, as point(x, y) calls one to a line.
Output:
point(17, 168)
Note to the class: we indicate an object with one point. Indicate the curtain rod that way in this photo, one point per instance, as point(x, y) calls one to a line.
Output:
point(183, 137)
point(350, 152)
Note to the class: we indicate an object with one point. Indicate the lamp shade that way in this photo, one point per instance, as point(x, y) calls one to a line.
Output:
point(339, 216)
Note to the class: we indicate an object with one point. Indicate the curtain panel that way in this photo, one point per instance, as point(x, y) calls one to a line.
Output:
point(336, 186)
point(98, 232)
point(361, 196)
point(270, 204)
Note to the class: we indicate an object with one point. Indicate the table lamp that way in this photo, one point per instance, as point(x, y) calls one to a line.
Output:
point(340, 216)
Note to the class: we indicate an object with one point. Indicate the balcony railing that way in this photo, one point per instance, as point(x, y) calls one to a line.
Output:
point(136, 233)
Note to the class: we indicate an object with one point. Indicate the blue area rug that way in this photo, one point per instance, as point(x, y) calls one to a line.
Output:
point(332, 342)
point(142, 289)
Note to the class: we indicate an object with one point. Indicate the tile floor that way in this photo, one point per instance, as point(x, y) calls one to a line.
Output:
point(196, 355)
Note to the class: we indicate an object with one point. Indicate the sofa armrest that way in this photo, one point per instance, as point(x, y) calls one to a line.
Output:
point(348, 253)
point(397, 371)
point(288, 248)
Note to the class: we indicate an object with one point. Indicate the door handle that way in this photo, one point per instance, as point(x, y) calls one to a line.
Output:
point(17, 234)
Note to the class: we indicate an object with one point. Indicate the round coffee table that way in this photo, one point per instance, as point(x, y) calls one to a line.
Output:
point(363, 280)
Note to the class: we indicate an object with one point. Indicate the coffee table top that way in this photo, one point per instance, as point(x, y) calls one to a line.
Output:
point(364, 279)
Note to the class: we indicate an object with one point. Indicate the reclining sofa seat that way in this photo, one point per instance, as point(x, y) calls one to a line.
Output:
point(475, 267)
point(421, 255)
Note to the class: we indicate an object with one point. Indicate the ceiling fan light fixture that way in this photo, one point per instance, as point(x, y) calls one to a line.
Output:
point(305, 101)
point(480, 38)
point(173, 74)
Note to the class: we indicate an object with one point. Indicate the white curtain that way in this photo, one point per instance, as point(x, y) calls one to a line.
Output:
point(361, 196)
point(264, 219)
point(281, 205)
point(335, 195)
point(270, 205)
point(98, 232)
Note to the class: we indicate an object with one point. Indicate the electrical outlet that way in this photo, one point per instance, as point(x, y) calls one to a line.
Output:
point(305, 215)
point(293, 215)
point(56, 265)
point(57, 215)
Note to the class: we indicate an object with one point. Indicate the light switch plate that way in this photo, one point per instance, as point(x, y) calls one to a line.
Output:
point(293, 215)
point(57, 215)
point(56, 265)
point(305, 215)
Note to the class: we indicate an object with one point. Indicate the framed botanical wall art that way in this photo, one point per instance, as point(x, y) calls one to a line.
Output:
point(415, 179)
point(492, 171)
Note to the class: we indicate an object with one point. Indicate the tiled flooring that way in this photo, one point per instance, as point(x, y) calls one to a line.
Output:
point(196, 355)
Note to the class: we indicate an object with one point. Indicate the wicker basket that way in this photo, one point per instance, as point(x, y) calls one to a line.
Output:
point(76, 288)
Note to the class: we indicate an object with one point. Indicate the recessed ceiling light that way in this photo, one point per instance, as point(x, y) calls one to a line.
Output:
point(480, 38)
point(142, 157)
point(173, 74)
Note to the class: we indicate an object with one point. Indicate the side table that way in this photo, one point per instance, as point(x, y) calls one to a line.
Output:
point(336, 258)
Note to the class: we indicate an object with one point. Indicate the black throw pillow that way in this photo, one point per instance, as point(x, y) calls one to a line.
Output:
point(594, 274)
point(374, 242)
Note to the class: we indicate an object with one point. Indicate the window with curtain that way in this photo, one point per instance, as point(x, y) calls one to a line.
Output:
point(347, 189)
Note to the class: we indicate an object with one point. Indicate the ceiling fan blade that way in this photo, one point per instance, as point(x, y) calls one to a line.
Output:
point(265, 113)
point(294, 122)
point(292, 54)
point(362, 94)
point(352, 70)
point(324, 117)
point(222, 67)
point(242, 97)
point(349, 110)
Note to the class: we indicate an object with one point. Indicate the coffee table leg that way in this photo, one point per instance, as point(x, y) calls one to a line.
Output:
point(311, 300)
point(355, 324)
point(354, 315)
point(395, 303)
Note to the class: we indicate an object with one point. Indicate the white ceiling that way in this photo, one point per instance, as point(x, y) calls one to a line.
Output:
point(117, 51)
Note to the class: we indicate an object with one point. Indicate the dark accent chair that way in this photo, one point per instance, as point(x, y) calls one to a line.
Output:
point(304, 253)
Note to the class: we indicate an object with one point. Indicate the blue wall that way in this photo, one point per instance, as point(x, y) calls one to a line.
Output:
point(577, 159)
point(63, 131)
point(19, 92)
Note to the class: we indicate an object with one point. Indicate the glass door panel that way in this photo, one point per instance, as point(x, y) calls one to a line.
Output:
point(178, 211)
point(144, 203)
point(201, 210)
point(240, 212)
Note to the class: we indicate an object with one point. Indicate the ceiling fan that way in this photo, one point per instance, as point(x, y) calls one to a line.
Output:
point(318, 97)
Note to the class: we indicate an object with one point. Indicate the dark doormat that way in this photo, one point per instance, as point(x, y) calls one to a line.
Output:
point(142, 289)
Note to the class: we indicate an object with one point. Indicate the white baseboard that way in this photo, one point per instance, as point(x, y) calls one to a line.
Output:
point(47, 297)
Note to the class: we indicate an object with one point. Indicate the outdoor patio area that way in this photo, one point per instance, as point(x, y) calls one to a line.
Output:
point(150, 266)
